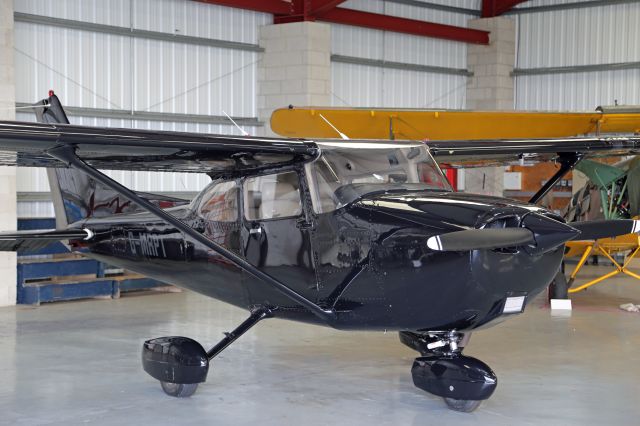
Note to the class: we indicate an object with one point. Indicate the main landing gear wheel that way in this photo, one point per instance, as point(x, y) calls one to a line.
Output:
point(180, 363)
point(462, 405)
point(179, 390)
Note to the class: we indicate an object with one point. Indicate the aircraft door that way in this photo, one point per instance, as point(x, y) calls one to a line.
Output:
point(217, 216)
point(275, 235)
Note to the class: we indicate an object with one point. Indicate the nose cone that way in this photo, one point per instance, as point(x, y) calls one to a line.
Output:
point(549, 233)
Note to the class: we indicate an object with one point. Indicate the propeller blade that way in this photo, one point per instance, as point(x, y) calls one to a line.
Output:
point(596, 229)
point(474, 239)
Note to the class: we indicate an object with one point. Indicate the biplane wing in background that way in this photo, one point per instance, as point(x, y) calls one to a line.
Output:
point(416, 124)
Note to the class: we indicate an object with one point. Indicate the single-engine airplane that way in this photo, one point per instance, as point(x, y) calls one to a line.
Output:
point(354, 235)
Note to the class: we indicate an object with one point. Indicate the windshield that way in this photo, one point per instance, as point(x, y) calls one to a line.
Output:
point(346, 171)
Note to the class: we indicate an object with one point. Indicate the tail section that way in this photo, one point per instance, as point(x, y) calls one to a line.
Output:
point(75, 195)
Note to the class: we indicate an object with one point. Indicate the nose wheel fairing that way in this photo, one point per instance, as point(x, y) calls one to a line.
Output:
point(454, 376)
point(442, 370)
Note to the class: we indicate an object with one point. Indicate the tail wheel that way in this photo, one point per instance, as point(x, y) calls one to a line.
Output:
point(179, 390)
point(462, 405)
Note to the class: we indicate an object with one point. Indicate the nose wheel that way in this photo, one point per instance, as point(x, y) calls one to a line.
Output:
point(462, 381)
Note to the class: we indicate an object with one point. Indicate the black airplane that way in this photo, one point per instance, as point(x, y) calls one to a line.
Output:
point(354, 235)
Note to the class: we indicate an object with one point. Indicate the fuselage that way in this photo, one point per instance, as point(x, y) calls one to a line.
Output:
point(368, 260)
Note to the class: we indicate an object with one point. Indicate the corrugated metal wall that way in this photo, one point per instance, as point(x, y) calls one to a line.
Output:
point(587, 36)
point(95, 70)
point(362, 85)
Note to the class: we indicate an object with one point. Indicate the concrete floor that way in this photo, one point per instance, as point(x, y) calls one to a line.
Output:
point(79, 362)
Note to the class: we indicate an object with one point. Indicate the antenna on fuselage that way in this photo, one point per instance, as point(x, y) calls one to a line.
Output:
point(342, 135)
point(244, 132)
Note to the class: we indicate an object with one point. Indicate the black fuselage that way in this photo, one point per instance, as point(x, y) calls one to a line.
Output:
point(368, 260)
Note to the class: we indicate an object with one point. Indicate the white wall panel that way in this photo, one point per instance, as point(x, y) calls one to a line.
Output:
point(416, 12)
point(107, 12)
point(592, 35)
point(359, 85)
point(85, 69)
point(198, 19)
point(364, 86)
point(356, 41)
point(578, 91)
point(587, 36)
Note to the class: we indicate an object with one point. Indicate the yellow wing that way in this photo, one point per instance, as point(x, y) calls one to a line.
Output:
point(446, 125)
point(622, 243)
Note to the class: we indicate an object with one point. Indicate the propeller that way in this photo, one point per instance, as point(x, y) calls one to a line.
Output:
point(540, 233)
point(596, 229)
point(474, 239)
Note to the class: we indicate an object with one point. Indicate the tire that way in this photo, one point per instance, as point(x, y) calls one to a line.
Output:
point(179, 390)
point(559, 288)
point(462, 405)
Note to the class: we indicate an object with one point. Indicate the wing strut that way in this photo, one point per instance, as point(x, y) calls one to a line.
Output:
point(567, 163)
point(67, 155)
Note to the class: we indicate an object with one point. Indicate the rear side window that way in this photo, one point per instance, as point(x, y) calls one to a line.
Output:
point(220, 203)
point(272, 196)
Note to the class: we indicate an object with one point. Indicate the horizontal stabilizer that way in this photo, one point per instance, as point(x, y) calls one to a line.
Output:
point(596, 229)
point(36, 240)
point(475, 239)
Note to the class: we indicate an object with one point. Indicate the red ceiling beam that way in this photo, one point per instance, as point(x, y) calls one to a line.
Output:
point(326, 10)
point(491, 8)
point(276, 7)
point(404, 25)
point(318, 7)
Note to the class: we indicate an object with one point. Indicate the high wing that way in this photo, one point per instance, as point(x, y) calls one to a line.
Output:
point(28, 144)
point(470, 153)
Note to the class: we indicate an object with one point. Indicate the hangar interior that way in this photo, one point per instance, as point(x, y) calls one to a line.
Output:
point(187, 66)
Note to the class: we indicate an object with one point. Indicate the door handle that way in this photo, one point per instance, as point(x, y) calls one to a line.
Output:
point(303, 224)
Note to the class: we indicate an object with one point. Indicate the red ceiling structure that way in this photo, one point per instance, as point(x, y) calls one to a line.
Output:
point(491, 8)
point(327, 10)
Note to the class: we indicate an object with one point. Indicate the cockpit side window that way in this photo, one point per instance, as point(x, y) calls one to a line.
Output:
point(220, 203)
point(272, 196)
point(323, 182)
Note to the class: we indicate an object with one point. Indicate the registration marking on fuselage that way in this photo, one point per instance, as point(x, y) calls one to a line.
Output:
point(149, 245)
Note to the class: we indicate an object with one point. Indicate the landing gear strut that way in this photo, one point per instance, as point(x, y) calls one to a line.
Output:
point(180, 363)
point(462, 381)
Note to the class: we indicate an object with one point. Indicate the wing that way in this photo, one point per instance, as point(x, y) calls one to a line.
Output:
point(472, 153)
point(27, 144)
point(380, 123)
